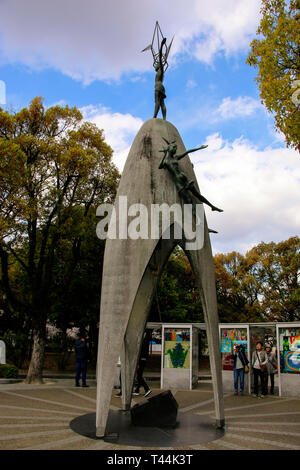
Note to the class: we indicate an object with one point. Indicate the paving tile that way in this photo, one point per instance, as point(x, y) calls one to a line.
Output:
point(38, 417)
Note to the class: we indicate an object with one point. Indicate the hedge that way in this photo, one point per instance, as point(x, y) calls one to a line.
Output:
point(9, 371)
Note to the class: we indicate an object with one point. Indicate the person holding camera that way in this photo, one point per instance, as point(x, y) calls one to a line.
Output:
point(259, 367)
point(240, 361)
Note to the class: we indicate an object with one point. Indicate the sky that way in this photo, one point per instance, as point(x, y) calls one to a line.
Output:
point(88, 54)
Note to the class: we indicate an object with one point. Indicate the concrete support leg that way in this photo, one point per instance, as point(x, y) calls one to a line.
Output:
point(108, 355)
point(134, 335)
point(202, 265)
point(138, 318)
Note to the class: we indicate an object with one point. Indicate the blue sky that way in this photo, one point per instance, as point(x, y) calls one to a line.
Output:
point(87, 54)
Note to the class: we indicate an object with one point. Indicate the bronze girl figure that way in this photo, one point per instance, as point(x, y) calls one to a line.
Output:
point(184, 186)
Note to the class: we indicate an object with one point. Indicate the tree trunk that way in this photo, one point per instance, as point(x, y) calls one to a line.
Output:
point(35, 370)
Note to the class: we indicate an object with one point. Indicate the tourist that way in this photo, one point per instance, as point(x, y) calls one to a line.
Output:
point(119, 394)
point(271, 368)
point(258, 362)
point(240, 360)
point(141, 366)
point(81, 360)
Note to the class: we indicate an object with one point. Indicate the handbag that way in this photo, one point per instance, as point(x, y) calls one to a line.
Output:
point(274, 365)
point(246, 369)
point(263, 367)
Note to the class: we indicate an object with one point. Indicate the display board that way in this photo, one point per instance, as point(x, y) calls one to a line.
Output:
point(265, 334)
point(177, 345)
point(230, 337)
point(289, 350)
point(179, 359)
point(195, 356)
point(2, 352)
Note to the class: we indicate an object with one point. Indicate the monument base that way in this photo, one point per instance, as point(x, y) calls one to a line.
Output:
point(158, 411)
point(190, 429)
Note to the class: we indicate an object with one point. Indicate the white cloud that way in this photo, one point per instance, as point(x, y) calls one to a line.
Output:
point(103, 39)
point(191, 84)
point(241, 106)
point(229, 108)
point(258, 190)
point(119, 129)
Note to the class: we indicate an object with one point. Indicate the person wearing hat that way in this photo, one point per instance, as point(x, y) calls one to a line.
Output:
point(239, 362)
point(271, 368)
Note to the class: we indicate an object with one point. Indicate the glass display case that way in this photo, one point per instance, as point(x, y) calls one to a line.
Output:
point(231, 335)
point(289, 350)
point(228, 338)
point(288, 354)
point(179, 357)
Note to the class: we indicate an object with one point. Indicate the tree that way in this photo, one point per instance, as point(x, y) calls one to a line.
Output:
point(75, 301)
point(15, 325)
point(177, 297)
point(276, 54)
point(262, 285)
point(237, 288)
point(54, 170)
point(277, 271)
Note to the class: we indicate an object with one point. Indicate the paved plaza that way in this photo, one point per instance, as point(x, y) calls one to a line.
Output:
point(37, 417)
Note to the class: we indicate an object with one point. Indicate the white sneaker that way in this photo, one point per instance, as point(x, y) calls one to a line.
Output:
point(148, 393)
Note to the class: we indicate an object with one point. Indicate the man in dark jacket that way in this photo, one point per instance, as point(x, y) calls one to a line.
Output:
point(141, 366)
point(239, 362)
point(81, 361)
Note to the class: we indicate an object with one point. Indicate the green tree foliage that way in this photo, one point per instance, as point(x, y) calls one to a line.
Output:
point(177, 298)
point(237, 289)
point(76, 298)
point(54, 171)
point(276, 54)
point(262, 285)
point(277, 273)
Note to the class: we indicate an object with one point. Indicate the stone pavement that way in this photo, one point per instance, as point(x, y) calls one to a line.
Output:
point(37, 417)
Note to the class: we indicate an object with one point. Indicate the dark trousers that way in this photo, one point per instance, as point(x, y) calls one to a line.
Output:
point(238, 374)
point(139, 375)
point(81, 370)
point(272, 383)
point(259, 375)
